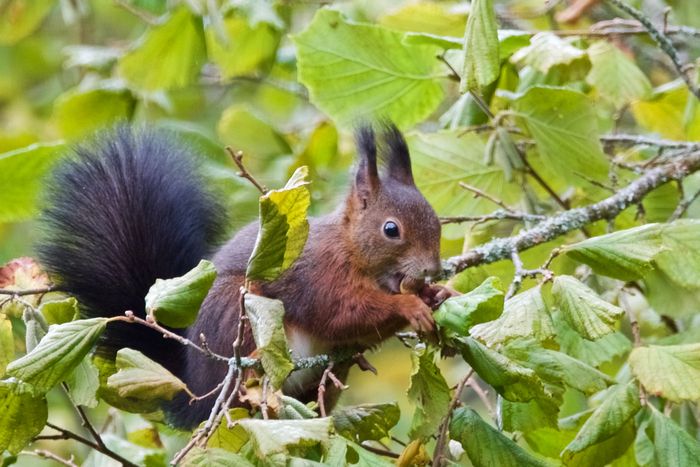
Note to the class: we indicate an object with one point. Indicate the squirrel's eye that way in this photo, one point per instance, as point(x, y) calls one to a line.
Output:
point(391, 230)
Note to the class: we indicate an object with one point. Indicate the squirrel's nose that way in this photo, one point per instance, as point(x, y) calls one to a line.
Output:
point(433, 271)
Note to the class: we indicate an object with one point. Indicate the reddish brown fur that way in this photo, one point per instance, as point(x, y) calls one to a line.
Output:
point(343, 290)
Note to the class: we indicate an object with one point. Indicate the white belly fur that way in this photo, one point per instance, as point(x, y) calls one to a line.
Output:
point(303, 345)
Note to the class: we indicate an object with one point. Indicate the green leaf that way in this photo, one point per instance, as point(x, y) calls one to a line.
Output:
point(244, 131)
point(428, 391)
point(525, 316)
point(232, 439)
point(681, 258)
point(430, 18)
point(276, 436)
point(265, 316)
point(530, 416)
point(563, 124)
point(245, 49)
point(510, 41)
point(168, 56)
point(78, 112)
point(481, 59)
point(557, 367)
point(607, 450)
point(485, 445)
point(619, 406)
point(442, 160)
point(545, 51)
point(293, 409)
point(484, 303)
point(106, 367)
point(615, 76)
point(679, 366)
point(624, 255)
point(83, 383)
point(7, 343)
point(664, 112)
point(23, 415)
point(214, 457)
point(672, 444)
point(513, 381)
point(141, 378)
point(367, 421)
point(283, 229)
point(19, 18)
point(21, 173)
point(339, 59)
point(424, 38)
point(643, 446)
point(60, 311)
point(593, 353)
point(583, 309)
point(58, 353)
point(176, 302)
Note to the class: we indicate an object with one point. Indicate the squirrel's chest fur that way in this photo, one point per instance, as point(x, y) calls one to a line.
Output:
point(307, 292)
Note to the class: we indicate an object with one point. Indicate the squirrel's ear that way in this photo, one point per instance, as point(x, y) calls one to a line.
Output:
point(367, 177)
point(398, 159)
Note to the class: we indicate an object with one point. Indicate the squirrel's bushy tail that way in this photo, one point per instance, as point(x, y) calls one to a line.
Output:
point(122, 211)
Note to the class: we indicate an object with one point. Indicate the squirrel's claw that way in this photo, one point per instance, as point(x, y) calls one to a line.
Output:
point(421, 319)
point(434, 294)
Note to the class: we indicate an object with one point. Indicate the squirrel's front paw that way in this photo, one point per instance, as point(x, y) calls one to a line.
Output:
point(419, 315)
point(434, 294)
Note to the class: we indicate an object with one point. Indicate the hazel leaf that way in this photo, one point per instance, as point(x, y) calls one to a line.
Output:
point(175, 302)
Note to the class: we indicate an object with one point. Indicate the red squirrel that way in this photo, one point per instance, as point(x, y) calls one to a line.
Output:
point(129, 208)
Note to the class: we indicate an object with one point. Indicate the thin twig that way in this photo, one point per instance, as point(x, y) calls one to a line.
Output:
point(85, 421)
point(237, 157)
point(635, 140)
point(44, 454)
point(263, 401)
point(321, 392)
point(151, 322)
point(567, 221)
point(683, 206)
point(441, 442)
point(496, 215)
point(380, 451)
point(620, 26)
point(521, 273)
point(226, 395)
point(483, 396)
point(480, 193)
point(67, 434)
point(21, 293)
point(141, 14)
point(663, 41)
point(636, 333)
point(550, 191)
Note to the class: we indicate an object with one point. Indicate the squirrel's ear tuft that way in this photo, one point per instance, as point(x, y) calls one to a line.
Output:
point(367, 177)
point(397, 157)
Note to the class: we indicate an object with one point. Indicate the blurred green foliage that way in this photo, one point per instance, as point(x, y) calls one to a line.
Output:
point(285, 82)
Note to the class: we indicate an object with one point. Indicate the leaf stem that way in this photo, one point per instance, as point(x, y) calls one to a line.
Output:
point(441, 442)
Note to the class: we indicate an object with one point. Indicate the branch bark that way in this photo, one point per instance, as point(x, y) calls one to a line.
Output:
point(572, 219)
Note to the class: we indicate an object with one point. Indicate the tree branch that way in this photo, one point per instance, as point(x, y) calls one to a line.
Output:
point(67, 434)
point(21, 293)
point(567, 221)
point(663, 41)
point(442, 432)
point(237, 157)
point(44, 454)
